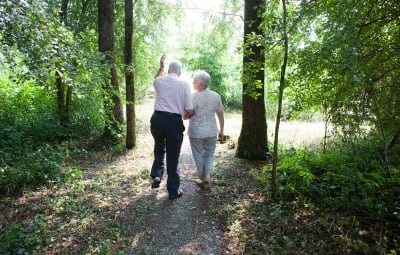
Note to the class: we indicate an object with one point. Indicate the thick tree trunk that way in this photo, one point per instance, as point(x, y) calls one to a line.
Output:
point(112, 101)
point(129, 78)
point(252, 139)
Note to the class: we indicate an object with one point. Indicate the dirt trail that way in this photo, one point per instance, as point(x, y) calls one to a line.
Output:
point(113, 210)
point(182, 226)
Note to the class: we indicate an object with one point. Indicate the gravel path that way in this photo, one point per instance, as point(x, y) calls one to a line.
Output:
point(182, 226)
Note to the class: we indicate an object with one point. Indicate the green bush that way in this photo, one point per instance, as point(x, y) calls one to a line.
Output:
point(30, 168)
point(30, 152)
point(349, 177)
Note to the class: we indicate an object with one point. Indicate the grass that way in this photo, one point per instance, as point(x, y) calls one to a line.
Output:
point(296, 134)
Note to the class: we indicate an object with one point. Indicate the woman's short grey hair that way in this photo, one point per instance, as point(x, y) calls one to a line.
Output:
point(203, 78)
point(175, 67)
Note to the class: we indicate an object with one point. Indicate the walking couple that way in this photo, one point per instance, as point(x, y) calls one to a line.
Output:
point(174, 102)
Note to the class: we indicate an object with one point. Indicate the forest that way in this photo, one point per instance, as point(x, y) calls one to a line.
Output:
point(76, 95)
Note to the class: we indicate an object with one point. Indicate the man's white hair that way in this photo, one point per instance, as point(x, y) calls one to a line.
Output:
point(175, 67)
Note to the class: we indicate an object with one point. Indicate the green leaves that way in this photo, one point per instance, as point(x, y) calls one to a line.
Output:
point(213, 51)
point(253, 90)
point(347, 68)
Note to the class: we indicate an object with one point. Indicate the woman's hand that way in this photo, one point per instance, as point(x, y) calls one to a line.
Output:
point(220, 136)
point(188, 114)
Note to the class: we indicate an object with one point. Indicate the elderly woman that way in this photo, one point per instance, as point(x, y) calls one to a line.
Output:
point(203, 129)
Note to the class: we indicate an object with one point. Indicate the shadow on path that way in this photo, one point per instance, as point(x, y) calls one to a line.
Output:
point(113, 210)
point(182, 226)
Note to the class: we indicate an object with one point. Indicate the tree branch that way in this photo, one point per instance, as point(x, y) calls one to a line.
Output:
point(392, 142)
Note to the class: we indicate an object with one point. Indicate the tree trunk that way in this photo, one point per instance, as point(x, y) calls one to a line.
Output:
point(112, 101)
point(252, 139)
point(68, 103)
point(63, 12)
point(281, 88)
point(63, 101)
point(60, 98)
point(129, 78)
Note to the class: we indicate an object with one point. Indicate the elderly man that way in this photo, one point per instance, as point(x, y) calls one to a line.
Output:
point(173, 102)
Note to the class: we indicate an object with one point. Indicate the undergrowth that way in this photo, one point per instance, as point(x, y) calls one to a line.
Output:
point(25, 164)
point(341, 201)
point(33, 143)
point(349, 178)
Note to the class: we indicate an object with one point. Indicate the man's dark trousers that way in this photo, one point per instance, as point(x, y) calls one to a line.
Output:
point(167, 130)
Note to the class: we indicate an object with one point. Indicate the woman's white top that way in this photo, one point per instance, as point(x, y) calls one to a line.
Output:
point(203, 123)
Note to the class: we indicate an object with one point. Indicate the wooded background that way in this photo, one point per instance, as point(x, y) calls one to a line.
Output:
point(71, 71)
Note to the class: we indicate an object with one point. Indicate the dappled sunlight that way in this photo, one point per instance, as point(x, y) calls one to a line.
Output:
point(136, 239)
point(113, 208)
point(255, 224)
point(76, 84)
point(81, 216)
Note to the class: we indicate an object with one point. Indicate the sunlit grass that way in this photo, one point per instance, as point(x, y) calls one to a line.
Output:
point(291, 133)
point(295, 134)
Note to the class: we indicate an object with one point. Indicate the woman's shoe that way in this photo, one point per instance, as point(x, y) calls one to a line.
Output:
point(207, 182)
point(200, 184)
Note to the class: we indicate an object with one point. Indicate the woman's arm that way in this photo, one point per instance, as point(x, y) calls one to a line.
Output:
point(220, 116)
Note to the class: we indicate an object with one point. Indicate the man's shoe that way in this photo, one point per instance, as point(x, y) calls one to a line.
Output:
point(179, 194)
point(156, 183)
